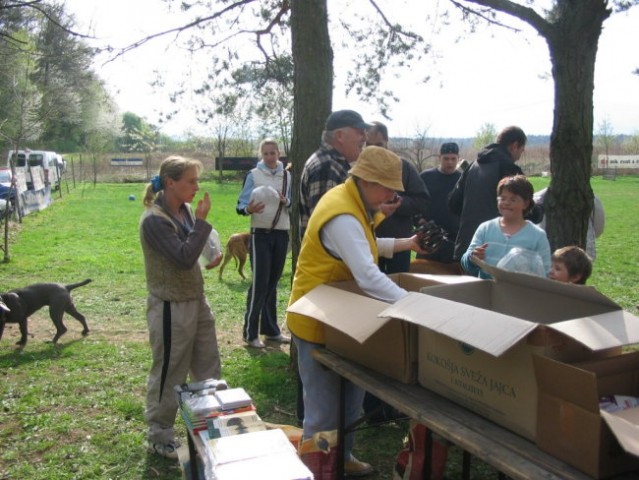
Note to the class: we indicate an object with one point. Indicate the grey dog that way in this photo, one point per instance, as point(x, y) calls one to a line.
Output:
point(20, 303)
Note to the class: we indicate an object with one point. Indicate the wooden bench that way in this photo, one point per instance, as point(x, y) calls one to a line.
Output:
point(507, 452)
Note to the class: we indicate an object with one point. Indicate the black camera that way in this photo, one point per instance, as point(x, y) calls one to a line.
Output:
point(431, 236)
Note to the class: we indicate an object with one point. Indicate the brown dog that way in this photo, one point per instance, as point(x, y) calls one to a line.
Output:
point(19, 304)
point(236, 248)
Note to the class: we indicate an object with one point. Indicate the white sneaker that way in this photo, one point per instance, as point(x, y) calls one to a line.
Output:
point(255, 343)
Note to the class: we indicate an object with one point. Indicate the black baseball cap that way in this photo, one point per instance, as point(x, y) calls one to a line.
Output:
point(345, 118)
point(450, 147)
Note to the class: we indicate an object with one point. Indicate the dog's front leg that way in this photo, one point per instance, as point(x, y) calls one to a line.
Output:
point(23, 332)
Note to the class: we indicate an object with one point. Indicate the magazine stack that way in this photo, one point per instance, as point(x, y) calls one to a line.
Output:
point(232, 441)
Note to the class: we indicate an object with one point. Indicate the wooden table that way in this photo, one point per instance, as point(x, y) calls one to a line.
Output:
point(198, 459)
point(509, 453)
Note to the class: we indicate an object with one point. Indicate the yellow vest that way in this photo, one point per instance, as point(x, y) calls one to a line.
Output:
point(315, 265)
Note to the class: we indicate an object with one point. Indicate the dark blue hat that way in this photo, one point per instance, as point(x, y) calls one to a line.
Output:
point(450, 147)
point(345, 118)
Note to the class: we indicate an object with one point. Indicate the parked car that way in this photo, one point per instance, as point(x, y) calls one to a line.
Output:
point(3, 208)
point(6, 178)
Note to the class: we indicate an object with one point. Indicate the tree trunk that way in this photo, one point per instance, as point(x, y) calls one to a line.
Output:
point(572, 42)
point(572, 30)
point(313, 91)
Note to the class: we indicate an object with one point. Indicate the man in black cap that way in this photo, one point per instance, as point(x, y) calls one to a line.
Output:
point(440, 181)
point(343, 139)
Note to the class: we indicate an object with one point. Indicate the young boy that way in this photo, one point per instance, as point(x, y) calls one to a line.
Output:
point(571, 265)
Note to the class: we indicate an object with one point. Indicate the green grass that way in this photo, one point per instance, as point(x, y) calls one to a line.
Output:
point(616, 271)
point(76, 410)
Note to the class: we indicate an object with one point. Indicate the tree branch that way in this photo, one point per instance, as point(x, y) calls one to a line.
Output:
point(526, 14)
point(178, 30)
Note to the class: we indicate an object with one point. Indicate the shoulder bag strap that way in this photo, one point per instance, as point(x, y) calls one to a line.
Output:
point(279, 210)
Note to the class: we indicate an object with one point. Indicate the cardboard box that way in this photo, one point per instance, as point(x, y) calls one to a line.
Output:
point(477, 340)
point(571, 426)
point(355, 330)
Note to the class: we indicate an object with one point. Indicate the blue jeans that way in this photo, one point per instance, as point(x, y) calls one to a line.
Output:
point(321, 395)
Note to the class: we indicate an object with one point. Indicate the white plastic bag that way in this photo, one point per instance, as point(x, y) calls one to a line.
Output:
point(212, 249)
point(523, 261)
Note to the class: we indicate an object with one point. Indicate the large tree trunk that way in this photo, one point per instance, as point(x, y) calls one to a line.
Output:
point(313, 90)
point(573, 44)
point(572, 30)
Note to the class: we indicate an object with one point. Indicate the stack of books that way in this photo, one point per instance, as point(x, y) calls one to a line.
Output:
point(266, 454)
point(237, 443)
point(200, 401)
point(234, 424)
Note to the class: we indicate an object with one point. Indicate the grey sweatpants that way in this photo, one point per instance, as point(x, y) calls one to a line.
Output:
point(183, 342)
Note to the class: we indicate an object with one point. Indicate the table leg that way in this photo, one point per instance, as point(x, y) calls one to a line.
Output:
point(429, 454)
point(341, 428)
point(466, 465)
point(195, 473)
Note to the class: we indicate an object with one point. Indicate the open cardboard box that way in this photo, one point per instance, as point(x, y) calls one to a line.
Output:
point(570, 424)
point(477, 340)
point(355, 330)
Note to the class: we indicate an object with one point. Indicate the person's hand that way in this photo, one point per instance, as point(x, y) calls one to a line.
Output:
point(415, 245)
point(203, 207)
point(408, 243)
point(283, 199)
point(255, 207)
point(215, 262)
point(480, 252)
point(388, 208)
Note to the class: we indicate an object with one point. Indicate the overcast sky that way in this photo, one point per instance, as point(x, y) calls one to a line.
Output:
point(493, 76)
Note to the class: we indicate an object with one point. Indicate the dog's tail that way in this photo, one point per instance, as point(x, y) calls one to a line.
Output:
point(79, 284)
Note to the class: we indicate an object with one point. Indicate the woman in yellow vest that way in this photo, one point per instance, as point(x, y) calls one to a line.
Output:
point(340, 244)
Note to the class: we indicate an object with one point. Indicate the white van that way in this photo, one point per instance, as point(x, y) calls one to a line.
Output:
point(40, 167)
point(19, 159)
point(49, 163)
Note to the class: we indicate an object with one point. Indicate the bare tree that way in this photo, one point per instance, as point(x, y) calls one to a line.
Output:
point(423, 148)
point(605, 137)
point(297, 30)
point(571, 30)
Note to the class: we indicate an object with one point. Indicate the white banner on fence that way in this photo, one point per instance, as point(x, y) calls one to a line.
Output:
point(618, 161)
point(35, 200)
point(126, 162)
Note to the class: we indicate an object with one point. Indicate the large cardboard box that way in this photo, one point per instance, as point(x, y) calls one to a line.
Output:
point(571, 426)
point(355, 330)
point(477, 339)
